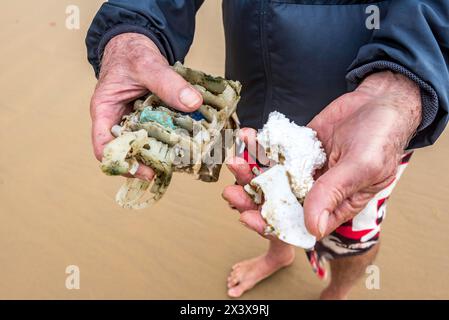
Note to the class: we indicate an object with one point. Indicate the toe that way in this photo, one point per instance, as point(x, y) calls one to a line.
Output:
point(233, 279)
point(232, 282)
point(237, 291)
point(229, 281)
point(254, 220)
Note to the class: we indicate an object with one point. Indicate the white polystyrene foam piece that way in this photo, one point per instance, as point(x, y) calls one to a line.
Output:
point(295, 147)
point(281, 210)
point(297, 153)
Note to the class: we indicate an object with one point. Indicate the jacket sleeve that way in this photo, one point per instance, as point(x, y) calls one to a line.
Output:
point(169, 24)
point(413, 39)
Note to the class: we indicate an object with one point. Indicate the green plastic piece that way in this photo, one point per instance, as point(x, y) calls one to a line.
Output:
point(160, 117)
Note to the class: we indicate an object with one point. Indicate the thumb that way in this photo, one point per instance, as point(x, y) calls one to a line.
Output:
point(171, 88)
point(322, 204)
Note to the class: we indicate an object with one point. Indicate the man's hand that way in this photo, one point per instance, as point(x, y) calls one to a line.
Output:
point(131, 66)
point(364, 134)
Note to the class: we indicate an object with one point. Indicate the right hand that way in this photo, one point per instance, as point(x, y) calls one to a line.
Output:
point(131, 66)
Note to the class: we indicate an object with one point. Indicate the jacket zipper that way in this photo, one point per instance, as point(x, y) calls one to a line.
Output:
point(265, 58)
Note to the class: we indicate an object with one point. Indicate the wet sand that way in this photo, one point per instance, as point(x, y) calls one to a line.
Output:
point(58, 209)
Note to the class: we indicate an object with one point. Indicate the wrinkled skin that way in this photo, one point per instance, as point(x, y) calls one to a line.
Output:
point(131, 66)
point(364, 134)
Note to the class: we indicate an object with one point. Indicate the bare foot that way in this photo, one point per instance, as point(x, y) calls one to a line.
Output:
point(246, 274)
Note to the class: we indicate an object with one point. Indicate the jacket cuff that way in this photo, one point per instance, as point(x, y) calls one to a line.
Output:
point(429, 97)
point(127, 28)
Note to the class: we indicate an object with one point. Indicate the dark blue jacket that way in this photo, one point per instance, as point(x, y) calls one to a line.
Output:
point(296, 56)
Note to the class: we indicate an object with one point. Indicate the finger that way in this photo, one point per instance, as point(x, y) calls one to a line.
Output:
point(163, 81)
point(241, 170)
point(238, 198)
point(253, 220)
point(102, 122)
point(347, 210)
point(327, 194)
point(104, 117)
point(249, 137)
point(352, 206)
point(144, 173)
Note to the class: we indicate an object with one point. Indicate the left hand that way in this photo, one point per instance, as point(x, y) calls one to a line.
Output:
point(364, 134)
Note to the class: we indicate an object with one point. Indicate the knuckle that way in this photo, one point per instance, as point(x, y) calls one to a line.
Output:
point(381, 170)
point(340, 215)
point(155, 80)
point(335, 192)
point(360, 199)
point(375, 167)
point(347, 210)
point(148, 60)
point(134, 53)
point(139, 53)
point(372, 165)
point(348, 95)
point(359, 96)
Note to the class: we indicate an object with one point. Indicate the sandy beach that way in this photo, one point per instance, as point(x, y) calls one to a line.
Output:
point(57, 208)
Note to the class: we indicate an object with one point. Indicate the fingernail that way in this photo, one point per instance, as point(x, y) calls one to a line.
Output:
point(189, 97)
point(322, 222)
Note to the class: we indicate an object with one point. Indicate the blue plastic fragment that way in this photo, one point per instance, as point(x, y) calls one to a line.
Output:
point(195, 115)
